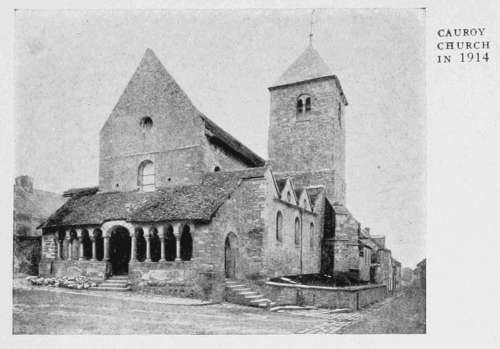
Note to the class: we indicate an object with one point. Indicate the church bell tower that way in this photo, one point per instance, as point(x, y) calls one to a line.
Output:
point(307, 125)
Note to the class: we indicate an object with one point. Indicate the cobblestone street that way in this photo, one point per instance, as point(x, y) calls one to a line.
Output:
point(60, 311)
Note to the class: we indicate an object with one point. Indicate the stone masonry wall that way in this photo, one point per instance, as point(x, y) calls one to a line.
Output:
point(179, 278)
point(242, 216)
point(325, 297)
point(346, 251)
point(48, 246)
point(285, 257)
point(309, 142)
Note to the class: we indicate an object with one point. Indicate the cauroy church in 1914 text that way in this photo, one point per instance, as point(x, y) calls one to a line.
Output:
point(181, 204)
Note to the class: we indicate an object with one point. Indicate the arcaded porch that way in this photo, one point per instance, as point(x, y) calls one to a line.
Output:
point(112, 247)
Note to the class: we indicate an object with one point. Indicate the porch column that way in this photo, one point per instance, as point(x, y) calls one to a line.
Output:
point(133, 244)
point(79, 234)
point(161, 234)
point(177, 235)
point(147, 236)
point(106, 248)
point(69, 245)
point(92, 238)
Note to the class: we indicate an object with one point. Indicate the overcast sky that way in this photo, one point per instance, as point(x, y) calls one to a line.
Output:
point(72, 66)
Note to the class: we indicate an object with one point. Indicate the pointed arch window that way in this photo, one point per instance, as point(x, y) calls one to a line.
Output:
point(146, 176)
point(311, 235)
point(303, 104)
point(279, 226)
point(297, 231)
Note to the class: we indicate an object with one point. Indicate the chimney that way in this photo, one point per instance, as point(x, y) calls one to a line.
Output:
point(25, 182)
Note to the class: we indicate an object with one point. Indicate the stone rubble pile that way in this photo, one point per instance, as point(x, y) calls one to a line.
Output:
point(78, 282)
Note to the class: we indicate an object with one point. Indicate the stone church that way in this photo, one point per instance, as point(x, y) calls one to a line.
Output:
point(183, 205)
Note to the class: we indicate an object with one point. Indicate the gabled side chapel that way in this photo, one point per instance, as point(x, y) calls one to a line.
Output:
point(183, 204)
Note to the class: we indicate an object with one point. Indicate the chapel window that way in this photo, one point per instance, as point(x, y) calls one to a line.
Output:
point(288, 197)
point(146, 177)
point(303, 104)
point(340, 115)
point(279, 226)
point(297, 231)
point(311, 235)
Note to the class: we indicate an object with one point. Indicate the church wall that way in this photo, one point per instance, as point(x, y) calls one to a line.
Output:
point(175, 167)
point(241, 215)
point(284, 257)
point(313, 142)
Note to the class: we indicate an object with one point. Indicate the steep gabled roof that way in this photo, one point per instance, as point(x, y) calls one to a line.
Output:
point(216, 134)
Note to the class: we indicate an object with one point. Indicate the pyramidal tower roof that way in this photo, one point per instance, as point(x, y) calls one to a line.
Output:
point(309, 65)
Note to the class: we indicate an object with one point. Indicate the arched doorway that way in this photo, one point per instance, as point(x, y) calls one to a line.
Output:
point(119, 250)
point(230, 253)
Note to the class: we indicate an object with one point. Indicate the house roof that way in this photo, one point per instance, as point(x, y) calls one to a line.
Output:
point(38, 203)
point(191, 202)
point(78, 191)
point(341, 209)
point(216, 134)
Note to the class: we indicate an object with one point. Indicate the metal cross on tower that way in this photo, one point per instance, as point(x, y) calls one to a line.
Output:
point(311, 32)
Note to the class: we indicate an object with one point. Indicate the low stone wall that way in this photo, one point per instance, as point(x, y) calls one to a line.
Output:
point(352, 297)
point(180, 278)
point(95, 270)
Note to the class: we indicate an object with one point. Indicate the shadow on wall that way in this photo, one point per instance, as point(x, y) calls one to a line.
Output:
point(338, 279)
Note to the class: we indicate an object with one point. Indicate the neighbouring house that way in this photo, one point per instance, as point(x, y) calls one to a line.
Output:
point(420, 273)
point(407, 276)
point(31, 208)
point(183, 205)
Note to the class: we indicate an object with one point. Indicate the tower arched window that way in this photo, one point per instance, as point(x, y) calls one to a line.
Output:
point(146, 176)
point(303, 104)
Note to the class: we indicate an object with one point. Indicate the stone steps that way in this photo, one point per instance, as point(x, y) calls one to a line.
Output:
point(239, 293)
point(114, 283)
